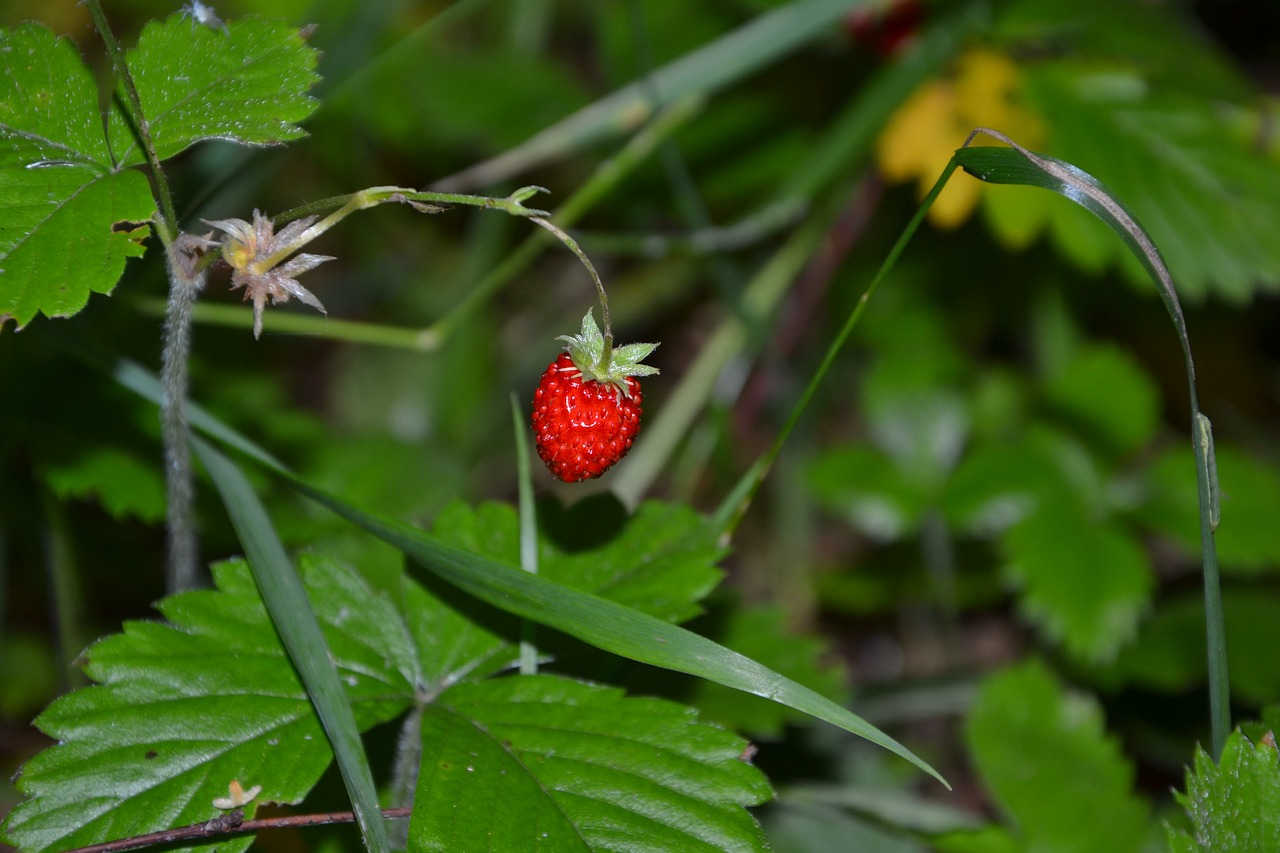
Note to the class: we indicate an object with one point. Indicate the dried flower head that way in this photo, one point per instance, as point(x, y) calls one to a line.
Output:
point(257, 258)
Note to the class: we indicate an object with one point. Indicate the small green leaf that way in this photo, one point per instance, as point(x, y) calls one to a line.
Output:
point(246, 84)
point(1043, 754)
point(126, 485)
point(183, 708)
point(1232, 803)
point(1105, 392)
point(68, 218)
point(864, 487)
point(539, 762)
point(1087, 583)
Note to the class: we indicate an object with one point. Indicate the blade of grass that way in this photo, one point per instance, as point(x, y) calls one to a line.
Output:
point(528, 530)
point(596, 621)
point(290, 610)
point(730, 58)
point(1017, 165)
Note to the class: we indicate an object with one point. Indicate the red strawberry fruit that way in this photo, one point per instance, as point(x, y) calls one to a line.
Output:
point(586, 411)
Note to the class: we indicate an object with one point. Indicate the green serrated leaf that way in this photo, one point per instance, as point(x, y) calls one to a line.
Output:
point(868, 490)
point(126, 485)
point(539, 762)
point(181, 709)
point(1043, 754)
point(246, 83)
point(68, 219)
point(1086, 583)
point(661, 562)
point(1232, 803)
point(1104, 391)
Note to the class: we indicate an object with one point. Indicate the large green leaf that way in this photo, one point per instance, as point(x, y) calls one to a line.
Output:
point(183, 708)
point(68, 217)
point(1043, 754)
point(244, 83)
point(539, 762)
point(1232, 803)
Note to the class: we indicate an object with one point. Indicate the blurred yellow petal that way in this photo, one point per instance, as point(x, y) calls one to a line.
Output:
point(910, 141)
point(956, 202)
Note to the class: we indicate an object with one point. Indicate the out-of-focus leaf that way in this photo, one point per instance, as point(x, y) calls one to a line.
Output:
point(1169, 653)
point(181, 709)
point(863, 486)
point(1232, 803)
point(1202, 190)
point(68, 217)
point(124, 484)
point(1043, 754)
point(1248, 537)
point(1104, 392)
point(244, 83)
point(998, 485)
point(540, 762)
point(990, 839)
point(819, 828)
point(28, 674)
point(1084, 582)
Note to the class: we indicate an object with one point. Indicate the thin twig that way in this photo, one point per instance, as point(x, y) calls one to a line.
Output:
point(232, 823)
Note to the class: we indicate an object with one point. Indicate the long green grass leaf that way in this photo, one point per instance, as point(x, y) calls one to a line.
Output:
point(286, 600)
point(1017, 165)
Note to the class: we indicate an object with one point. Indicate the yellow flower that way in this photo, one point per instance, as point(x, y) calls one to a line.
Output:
point(983, 90)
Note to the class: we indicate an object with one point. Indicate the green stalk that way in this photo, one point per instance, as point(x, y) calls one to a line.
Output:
point(731, 510)
point(528, 532)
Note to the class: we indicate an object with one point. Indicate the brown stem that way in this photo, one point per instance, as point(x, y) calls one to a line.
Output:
point(231, 823)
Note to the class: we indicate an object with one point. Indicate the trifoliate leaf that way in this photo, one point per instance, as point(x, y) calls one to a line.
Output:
point(1086, 583)
point(1232, 803)
point(183, 708)
point(68, 216)
point(244, 83)
point(538, 762)
point(1043, 754)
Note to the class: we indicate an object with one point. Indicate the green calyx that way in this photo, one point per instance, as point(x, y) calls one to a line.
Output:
point(597, 359)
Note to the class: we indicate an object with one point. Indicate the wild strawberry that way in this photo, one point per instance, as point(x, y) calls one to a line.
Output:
point(586, 411)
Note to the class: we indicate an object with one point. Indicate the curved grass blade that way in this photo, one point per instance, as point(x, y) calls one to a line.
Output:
point(1017, 165)
point(600, 622)
point(290, 610)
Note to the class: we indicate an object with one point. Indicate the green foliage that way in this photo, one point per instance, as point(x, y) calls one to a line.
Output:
point(70, 217)
point(1231, 802)
point(1044, 755)
point(542, 762)
point(73, 209)
point(183, 708)
point(988, 490)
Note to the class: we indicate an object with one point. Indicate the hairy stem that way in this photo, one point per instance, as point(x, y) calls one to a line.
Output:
point(186, 280)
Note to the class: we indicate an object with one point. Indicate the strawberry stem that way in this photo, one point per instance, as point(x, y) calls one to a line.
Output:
point(564, 237)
